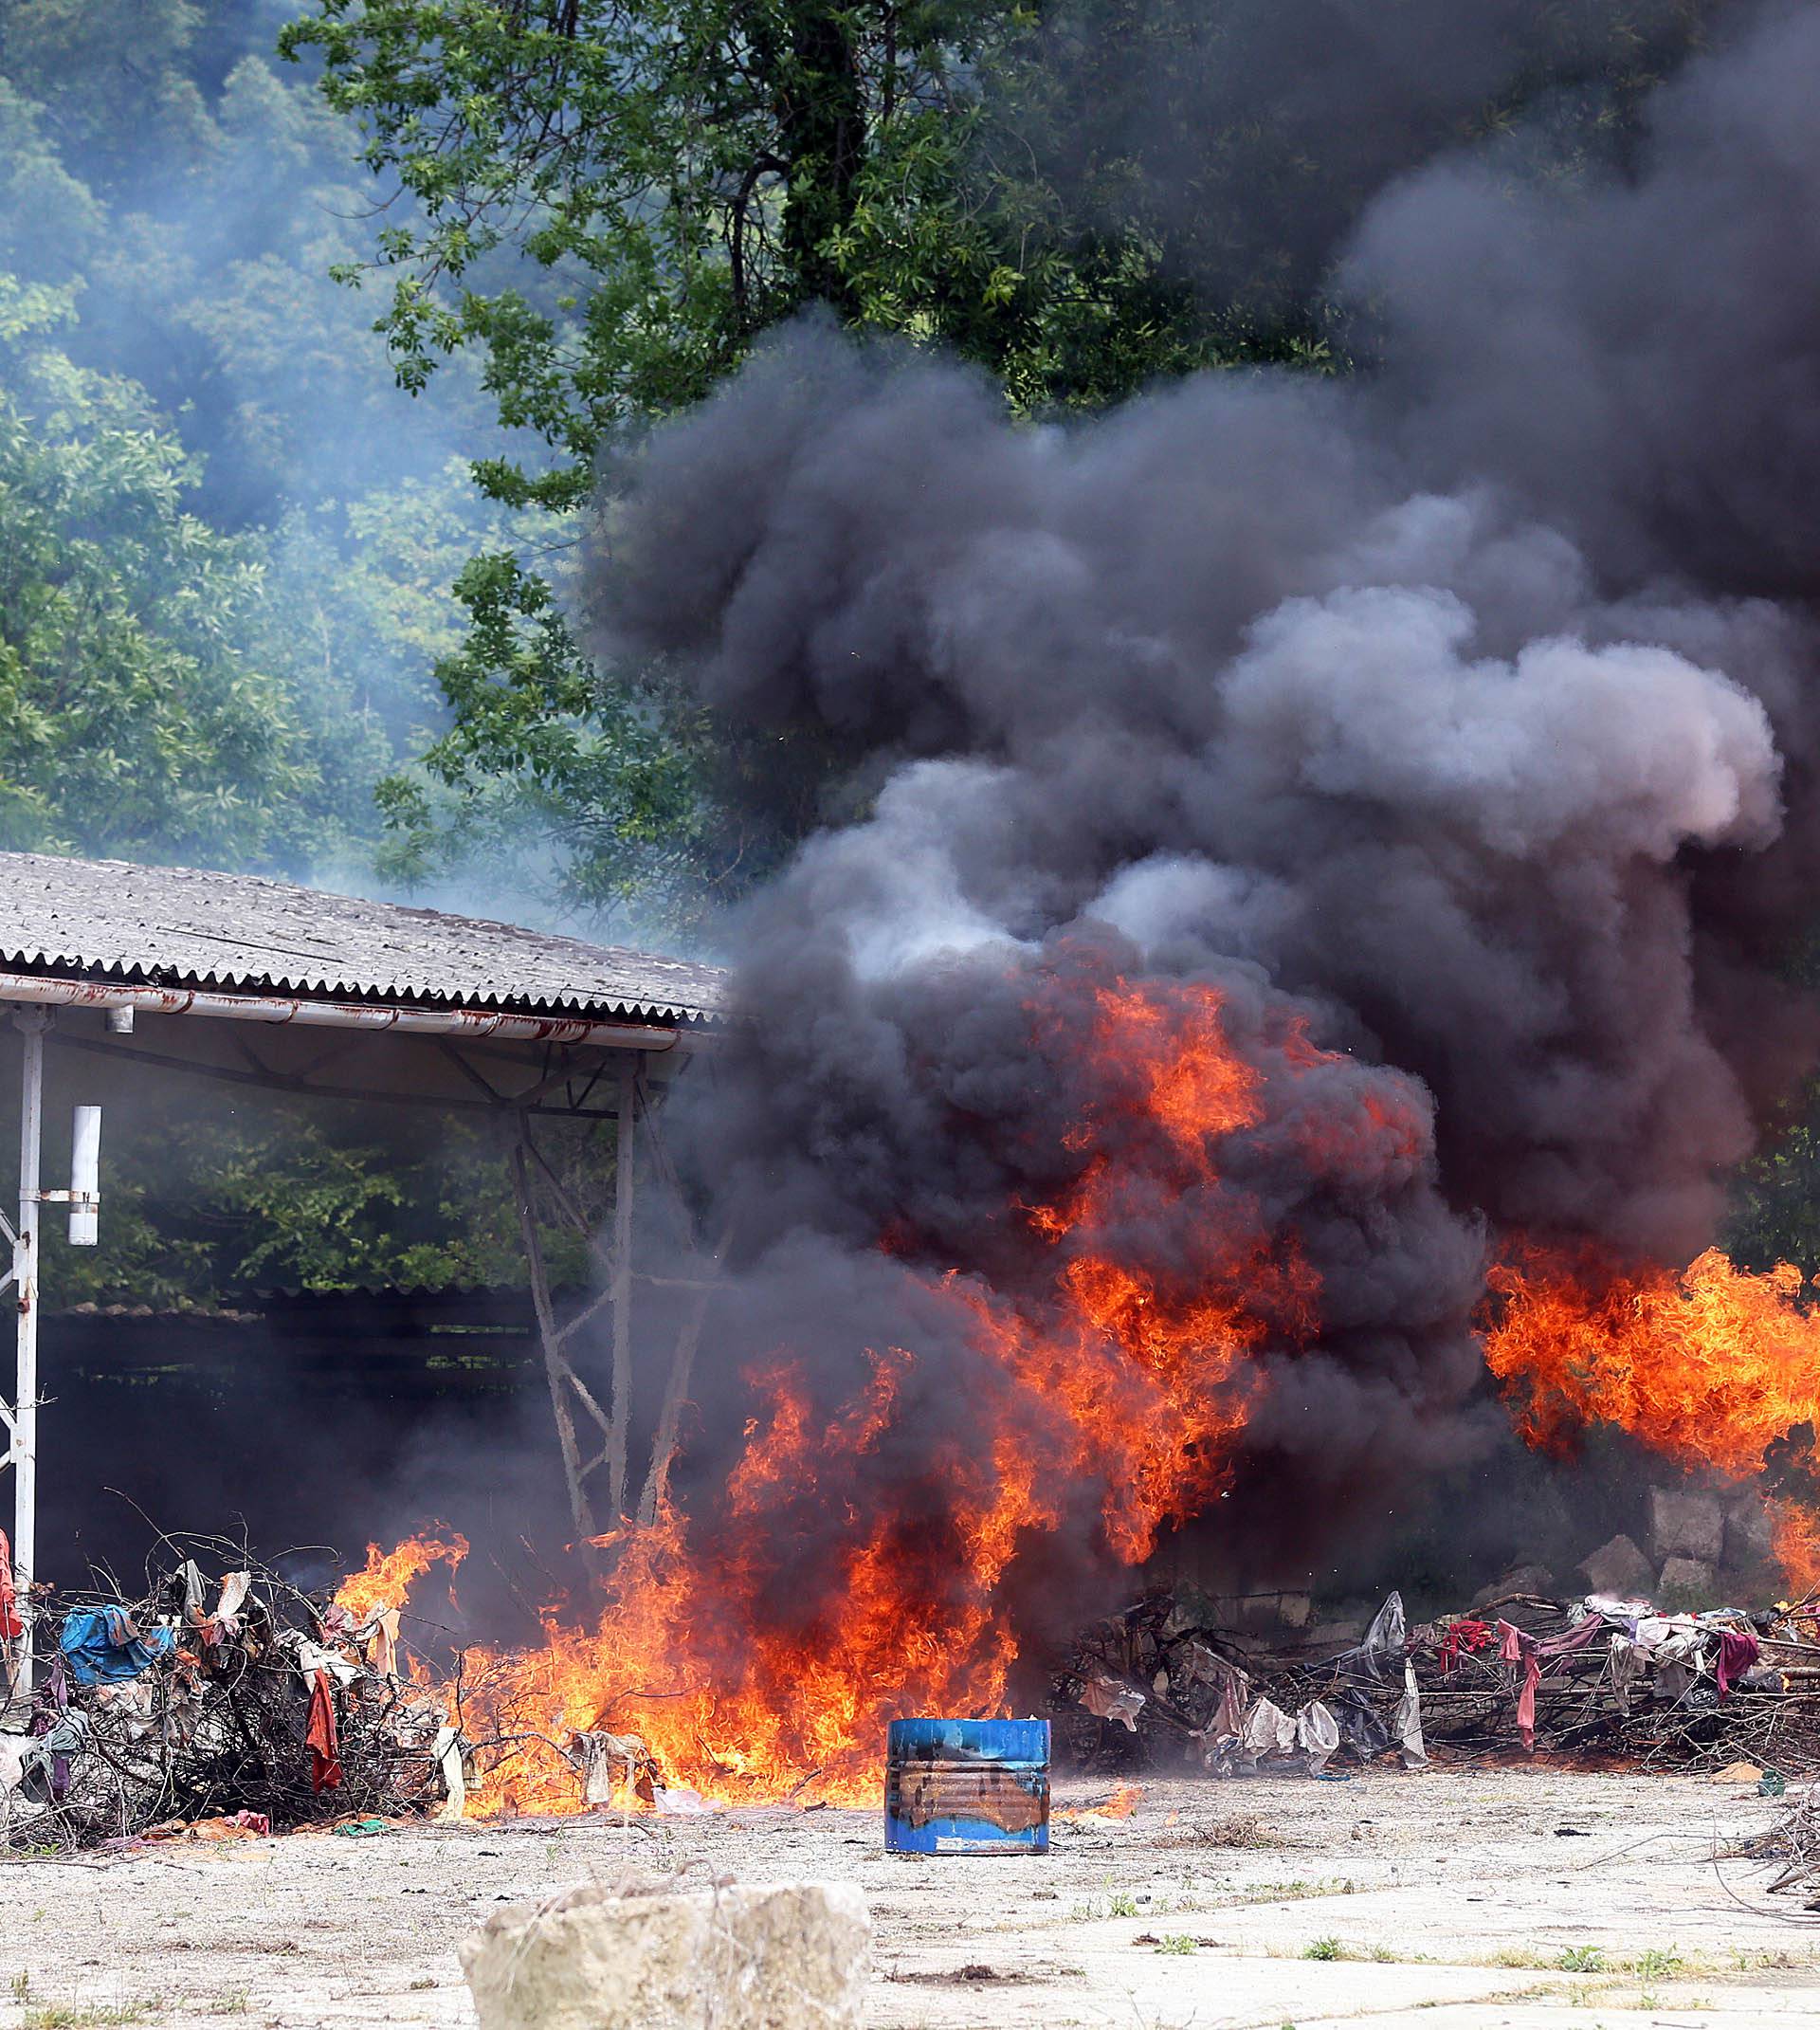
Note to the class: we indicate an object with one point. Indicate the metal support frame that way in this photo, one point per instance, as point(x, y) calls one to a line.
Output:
point(563, 1380)
point(20, 1417)
point(622, 1188)
point(573, 1404)
point(675, 1389)
point(571, 1399)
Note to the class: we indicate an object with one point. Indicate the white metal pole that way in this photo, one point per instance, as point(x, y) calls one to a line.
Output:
point(619, 1438)
point(32, 1022)
point(85, 1176)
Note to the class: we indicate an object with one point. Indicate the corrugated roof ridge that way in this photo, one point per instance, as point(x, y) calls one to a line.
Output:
point(120, 943)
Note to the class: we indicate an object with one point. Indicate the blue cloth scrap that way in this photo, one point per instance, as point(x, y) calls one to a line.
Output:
point(103, 1647)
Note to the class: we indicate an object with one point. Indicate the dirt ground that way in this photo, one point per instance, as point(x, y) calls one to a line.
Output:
point(1436, 1901)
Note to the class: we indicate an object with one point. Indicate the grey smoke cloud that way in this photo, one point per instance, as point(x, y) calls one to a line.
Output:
point(1442, 720)
point(1635, 362)
point(1247, 135)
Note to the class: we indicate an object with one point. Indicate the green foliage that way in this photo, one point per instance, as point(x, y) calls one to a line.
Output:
point(1199, 164)
point(541, 731)
point(606, 203)
point(1774, 1214)
point(115, 72)
point(227, 548)
point(610, 199)
point(128, 721)
point(167, 691)
point(216, 1199)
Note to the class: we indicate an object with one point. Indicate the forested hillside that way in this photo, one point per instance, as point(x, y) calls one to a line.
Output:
point(226, 541)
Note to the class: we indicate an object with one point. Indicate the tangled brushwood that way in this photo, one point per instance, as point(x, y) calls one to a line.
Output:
point(211, 1706)
point(1791, 1845)
point(1163, 1684)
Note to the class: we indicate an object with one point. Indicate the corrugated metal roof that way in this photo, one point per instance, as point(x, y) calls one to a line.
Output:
point(180, 926)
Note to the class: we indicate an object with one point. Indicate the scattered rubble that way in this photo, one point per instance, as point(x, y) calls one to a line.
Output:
point(1794, 1841)
point(1683, 1580)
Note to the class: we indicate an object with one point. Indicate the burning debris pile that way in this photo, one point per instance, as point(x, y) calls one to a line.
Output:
point(1186, 1691)
point(245, 1704)
point(220, 1706)
point(1598, 1676)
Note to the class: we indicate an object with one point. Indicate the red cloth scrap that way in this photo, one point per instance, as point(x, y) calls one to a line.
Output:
point(1738, 1652)
point(325, 1749)
point(10, 1625)
point(1515, 1647)
point(1464, 1634)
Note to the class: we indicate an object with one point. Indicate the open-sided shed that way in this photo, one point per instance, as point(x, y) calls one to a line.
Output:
point(253, 982)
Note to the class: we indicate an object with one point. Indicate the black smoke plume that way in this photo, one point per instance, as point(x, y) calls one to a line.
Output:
point(1460, 714)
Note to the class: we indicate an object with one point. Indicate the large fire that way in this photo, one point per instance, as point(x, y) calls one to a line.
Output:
point(758, 1650)
point(1713, 1365)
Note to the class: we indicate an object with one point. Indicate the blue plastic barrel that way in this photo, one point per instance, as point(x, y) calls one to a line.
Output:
point(966, 1786)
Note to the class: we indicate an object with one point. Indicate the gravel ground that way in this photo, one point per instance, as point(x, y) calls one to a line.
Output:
point(1440, 1901)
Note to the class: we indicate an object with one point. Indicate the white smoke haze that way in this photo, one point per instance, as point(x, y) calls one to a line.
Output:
point(1460, 714)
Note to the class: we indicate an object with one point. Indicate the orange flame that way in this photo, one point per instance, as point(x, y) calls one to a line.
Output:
point(1712, 1366)
point(1124, 1800)
point(761, 1657)
point(388, 1577)
point(1797, 1547)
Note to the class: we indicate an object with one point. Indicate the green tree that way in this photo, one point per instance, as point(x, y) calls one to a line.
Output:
point(226, 553)
point(128, 719)
point(1776, 1200)
point(604, 203)
point(168, 692)
point(208, 1198)
point(112, 77)
point(608, 200)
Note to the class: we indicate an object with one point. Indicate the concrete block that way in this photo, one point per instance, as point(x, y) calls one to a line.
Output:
point(1619, 1568)
point(1536, 1578)
point(1269, 1610)
point(1685, 1521)
point(1685, 1582)
point(1750, 1532)
point(659, 1954)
